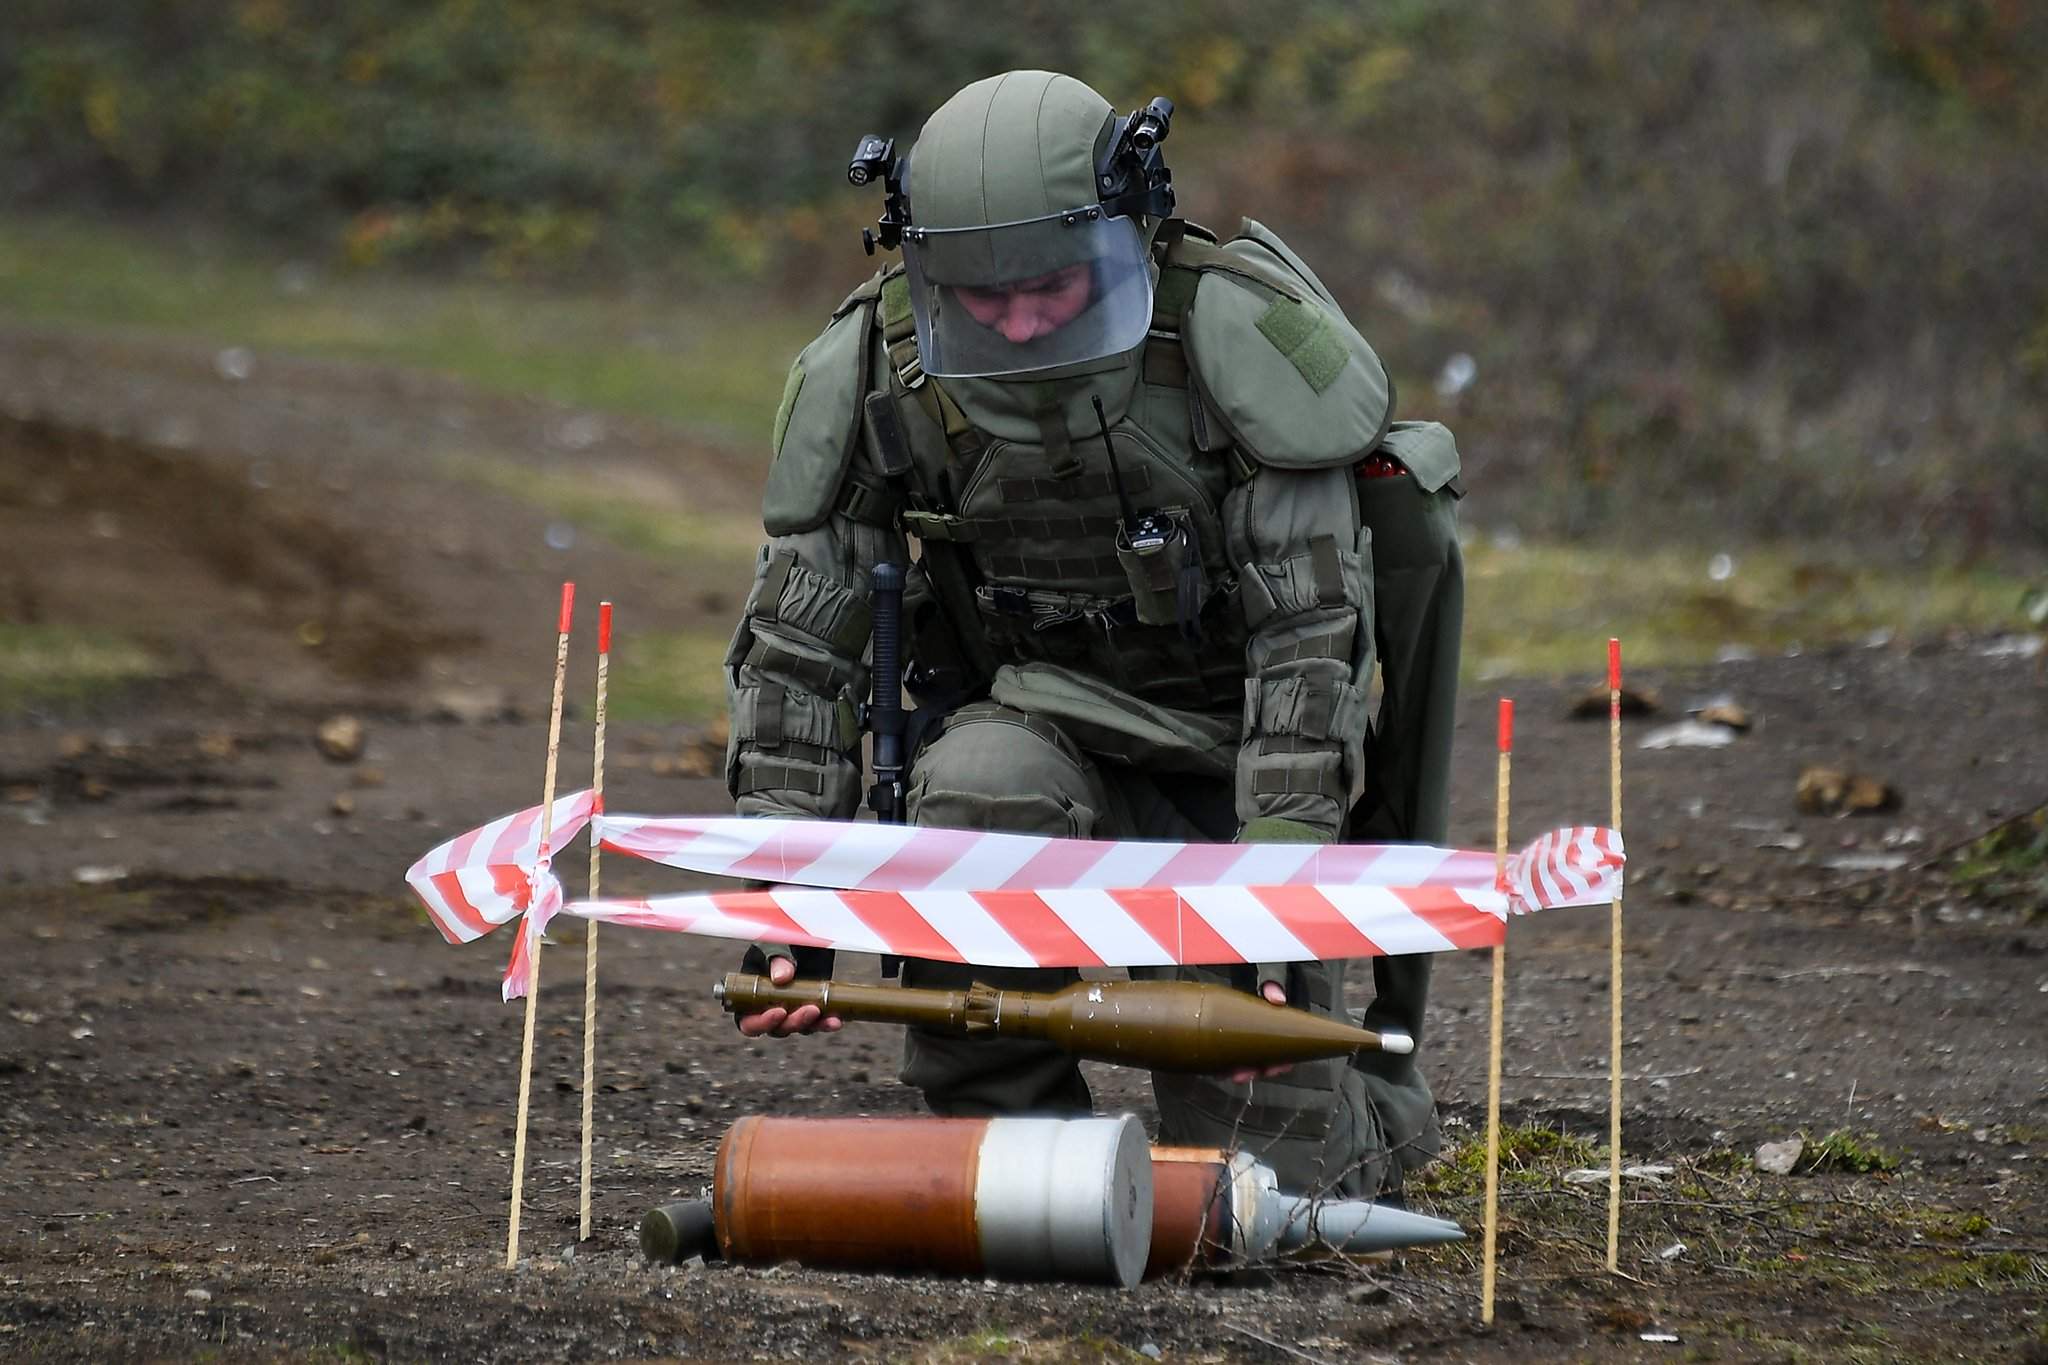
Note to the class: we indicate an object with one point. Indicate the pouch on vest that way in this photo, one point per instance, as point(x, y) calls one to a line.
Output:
point(1161, 555)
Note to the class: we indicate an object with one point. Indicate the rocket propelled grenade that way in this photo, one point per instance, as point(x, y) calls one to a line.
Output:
point(1186, 1026)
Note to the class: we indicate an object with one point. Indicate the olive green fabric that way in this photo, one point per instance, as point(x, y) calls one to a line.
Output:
point(1419, 579)
point(797, 667)
point(1290, 378)
point(1271, 829)
point(1303, 333)
point(815, 435)
point(1318, 1125)
point(1308, 601)
point(1112, 723)
point(1250, 230)
point(1101, 724)
point(1006, 149)
point(1428, 450)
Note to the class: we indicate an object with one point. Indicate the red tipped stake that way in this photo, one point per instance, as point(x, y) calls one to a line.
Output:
point(531, 938)
point(1614, 969)
point(604, 651)
point(1500, 968)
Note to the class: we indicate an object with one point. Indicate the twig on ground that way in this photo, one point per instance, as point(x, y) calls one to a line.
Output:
point(1584, 1076)
point(1846, 969)
point(1929, 861)
point(1294, 1351)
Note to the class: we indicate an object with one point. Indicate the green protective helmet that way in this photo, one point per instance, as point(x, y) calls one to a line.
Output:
point(1015, 262)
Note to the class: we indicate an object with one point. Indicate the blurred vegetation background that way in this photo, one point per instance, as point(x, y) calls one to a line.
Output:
point(1755, 271)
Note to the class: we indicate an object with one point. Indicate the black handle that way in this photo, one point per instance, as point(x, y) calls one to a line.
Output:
point(885, 707)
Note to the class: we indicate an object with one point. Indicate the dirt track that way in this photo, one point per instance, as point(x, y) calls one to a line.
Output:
point(253, 1107)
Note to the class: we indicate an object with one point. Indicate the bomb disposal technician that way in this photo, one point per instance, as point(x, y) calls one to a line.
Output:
point(1166, 526)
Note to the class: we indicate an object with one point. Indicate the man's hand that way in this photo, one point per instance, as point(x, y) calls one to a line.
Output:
point(1273, 993)
point(781, 1022)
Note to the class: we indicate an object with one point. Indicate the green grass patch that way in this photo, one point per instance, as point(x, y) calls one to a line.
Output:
point(2009, 865)
point(1002, 1344)
point(668, 676)
point(1945, 1224)
point(1844, 1152)
point(686, 356)
point(1548, 610)
point(1528, 1156)
point(60, 665)
point(1988, 1270)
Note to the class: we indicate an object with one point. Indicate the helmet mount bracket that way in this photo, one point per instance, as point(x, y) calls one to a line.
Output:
point(1132, 179)
point(875, 159)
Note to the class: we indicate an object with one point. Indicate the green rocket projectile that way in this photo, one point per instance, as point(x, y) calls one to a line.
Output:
point(1159, 1025)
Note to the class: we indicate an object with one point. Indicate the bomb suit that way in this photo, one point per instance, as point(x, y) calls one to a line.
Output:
point(1168, 545)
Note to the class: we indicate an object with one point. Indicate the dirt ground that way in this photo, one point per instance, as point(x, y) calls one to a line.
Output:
point(253, 1108)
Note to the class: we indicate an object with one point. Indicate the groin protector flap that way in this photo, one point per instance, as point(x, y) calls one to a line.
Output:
point(1292, 379)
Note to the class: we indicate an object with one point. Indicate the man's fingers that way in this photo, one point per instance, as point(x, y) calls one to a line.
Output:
point(1274, 993)
point(802, 1019)
point(783, 1023)
point(755, 1025)
point(781, 970)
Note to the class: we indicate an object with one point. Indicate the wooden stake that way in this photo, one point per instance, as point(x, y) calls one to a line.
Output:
point(1500, 967)
point(1614, 970)
point(604, 651)
point(547, 820)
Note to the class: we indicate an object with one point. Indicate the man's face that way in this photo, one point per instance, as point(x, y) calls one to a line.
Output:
point(1027, 309)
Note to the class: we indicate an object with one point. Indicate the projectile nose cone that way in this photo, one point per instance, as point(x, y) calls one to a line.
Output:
point(1353, 1226)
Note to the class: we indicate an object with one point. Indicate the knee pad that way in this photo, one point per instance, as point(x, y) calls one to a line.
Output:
point(997, 768)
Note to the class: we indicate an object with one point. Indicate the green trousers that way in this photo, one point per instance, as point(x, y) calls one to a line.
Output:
point(1323, 1126)
point(1348, 1127)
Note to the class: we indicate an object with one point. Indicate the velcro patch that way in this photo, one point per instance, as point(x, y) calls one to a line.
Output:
point(1306, 338)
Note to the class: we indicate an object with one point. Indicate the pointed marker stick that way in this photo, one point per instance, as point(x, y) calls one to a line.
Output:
point(604, 654)
point(1500, 964)
point(1614, 969)
point(547, 812)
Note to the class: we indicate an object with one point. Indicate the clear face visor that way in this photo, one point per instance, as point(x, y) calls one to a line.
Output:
point(1035, 295)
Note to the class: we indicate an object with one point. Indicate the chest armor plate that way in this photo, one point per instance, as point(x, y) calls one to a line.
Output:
point(1043, 525)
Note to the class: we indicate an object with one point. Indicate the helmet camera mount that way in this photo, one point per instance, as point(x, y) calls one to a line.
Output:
point(875, 159)
point(1133, 178)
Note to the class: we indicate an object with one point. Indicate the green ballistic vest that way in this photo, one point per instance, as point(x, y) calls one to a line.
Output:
point(1009, 488)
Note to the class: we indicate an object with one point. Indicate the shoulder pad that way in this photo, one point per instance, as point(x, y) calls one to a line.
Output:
point(1292, 380)
point(1251, 229)
point(1428, 450)
point(868, 291)
point(817, 426)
